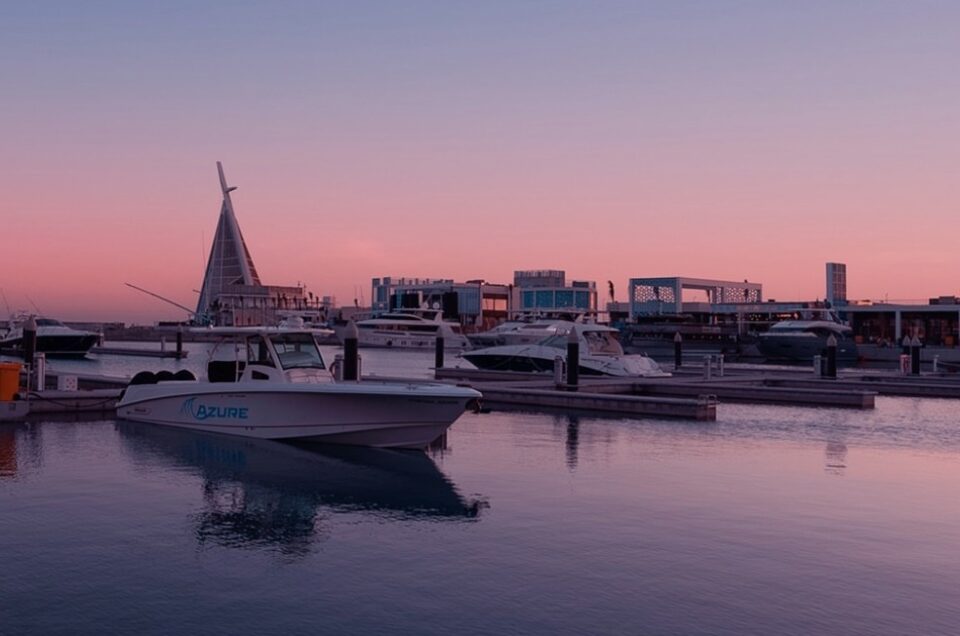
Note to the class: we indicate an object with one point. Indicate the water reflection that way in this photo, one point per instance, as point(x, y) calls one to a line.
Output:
point(835, 458)
point(259, 493)
point(572, 442)
point(21, 447)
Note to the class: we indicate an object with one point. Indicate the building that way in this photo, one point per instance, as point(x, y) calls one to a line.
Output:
point(664, 296)
point(231, 292)
point(474, 303)
point(545, 291)
point(836, 284)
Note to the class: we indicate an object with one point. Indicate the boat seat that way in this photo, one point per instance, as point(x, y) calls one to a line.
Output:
point(224, 370)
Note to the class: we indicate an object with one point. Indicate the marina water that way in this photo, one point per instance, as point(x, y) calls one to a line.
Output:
point(772, 520)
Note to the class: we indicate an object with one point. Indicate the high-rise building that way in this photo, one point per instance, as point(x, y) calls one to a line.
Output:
point(837, 284)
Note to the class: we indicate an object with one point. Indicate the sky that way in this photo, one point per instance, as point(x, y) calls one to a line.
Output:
point(465, 140)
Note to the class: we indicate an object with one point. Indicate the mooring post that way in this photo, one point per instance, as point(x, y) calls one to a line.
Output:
point(438, 353)
point(707, 366)
point(915, 356)
point(831, 357)
point(179, 342)
point(677, 351)
point(558, 371)
point(40, 371)
point(573, 359)
point(936, 364)
point(29, 340)
point(163, 344)
point(818, 365)
point(350, 353)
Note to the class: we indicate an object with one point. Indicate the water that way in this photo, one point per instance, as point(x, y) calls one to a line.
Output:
point(770, 521)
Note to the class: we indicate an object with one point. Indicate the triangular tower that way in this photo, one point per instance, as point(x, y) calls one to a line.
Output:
point(230, 262)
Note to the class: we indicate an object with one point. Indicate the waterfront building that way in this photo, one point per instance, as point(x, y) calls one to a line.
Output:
point(232, 294)
point(546, 292)
point(474, 303)
point(836, 284)
point(664, 295)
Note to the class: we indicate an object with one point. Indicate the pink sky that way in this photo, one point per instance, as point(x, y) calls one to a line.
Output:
point(744, 142)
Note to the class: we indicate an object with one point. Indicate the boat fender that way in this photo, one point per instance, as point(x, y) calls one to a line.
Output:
point(144, 377)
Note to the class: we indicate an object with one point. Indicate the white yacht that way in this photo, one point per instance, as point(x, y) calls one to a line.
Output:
point(801, 339)
point(54, 338)
point(600, 354)
point(410, 329)
point(272, 383)
point(518, 332)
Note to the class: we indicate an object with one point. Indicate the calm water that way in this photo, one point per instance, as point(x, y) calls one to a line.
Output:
point(769, 521)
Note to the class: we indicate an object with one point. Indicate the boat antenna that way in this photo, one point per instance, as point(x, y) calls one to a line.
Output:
point(33, 303)
point(166, 300)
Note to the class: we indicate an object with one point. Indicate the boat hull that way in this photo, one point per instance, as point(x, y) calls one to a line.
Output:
point(382, 416)
point(797, 349)
point(536, 359)
point(395, 340)
point(60, 346)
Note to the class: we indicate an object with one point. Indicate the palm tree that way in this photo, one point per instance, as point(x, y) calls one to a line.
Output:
point(610, 288)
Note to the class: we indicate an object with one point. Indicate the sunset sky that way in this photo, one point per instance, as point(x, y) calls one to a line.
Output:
point(469, 139)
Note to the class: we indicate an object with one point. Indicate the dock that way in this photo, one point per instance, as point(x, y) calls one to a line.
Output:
point(690, 393)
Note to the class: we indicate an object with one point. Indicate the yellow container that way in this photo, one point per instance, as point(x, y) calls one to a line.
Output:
point(9, 380)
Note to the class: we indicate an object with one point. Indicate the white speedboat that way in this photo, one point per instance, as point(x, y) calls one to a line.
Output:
point(54, 338)
point(600, 354)
point(273, 384)
point(410, 329)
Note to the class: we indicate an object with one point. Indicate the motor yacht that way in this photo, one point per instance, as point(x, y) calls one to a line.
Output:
point(410, 329)
point(600, 354)
point(272, 383)
point(518, 332)
point(54, 338)
point(801, 339)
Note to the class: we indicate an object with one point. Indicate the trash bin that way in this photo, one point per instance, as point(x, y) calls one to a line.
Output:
point(9, 380)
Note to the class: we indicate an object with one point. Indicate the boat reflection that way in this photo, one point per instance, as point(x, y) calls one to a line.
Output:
point(262, 493)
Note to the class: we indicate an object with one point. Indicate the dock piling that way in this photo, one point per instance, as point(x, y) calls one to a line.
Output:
point(438, 353)
point(573, 359)
point(350, 353)
point(915, 356)
point(677, 351)
point(179, 342)
point(707, 366)
point(831, 357)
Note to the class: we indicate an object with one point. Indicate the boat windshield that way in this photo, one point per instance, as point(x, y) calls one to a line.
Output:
point(297, 351)
point(603, 343)
point(598, 342)
point(48, 322)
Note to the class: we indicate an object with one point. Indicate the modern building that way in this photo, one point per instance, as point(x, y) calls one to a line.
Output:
point(545, 291)
point(231, 292)
point(664, 296)
point(836, 284)
point(474, 303)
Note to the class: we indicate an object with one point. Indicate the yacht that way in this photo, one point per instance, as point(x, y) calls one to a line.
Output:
point(272, 383)
point(600, 354)
point(518, 332)
point(54, 338)
point(410, 329)
point(801, 339)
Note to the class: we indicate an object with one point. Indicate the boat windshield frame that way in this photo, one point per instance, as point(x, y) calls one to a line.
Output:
point(260, 348)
